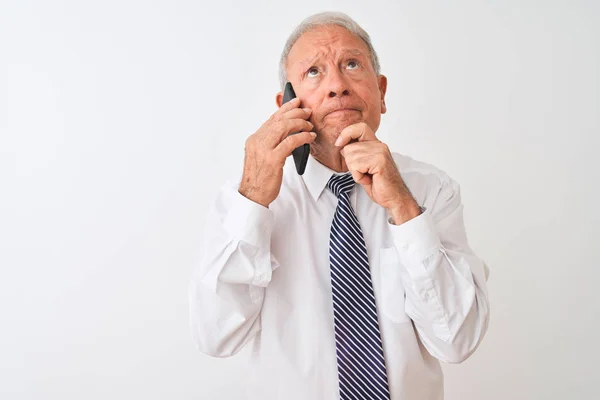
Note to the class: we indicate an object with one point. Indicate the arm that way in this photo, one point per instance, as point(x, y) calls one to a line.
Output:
point(228, 283)
point(445, 282)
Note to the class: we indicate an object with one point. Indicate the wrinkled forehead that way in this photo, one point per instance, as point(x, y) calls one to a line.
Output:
point(328, 41)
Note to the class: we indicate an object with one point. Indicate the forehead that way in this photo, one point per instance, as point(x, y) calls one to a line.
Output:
point(329, 40)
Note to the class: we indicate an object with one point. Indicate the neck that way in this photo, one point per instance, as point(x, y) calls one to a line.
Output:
point(329, 155)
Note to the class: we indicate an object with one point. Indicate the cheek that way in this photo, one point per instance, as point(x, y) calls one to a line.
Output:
point(372, 98)
point(309, 100)
point(309, 103)
point(316, 107)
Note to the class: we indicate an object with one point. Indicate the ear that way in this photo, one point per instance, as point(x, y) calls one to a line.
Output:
point(279, 99)
point(382, 81)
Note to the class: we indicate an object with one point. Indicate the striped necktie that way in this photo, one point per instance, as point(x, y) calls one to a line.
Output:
point(361, 365)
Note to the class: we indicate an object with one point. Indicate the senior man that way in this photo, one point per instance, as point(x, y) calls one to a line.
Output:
point(352, 280)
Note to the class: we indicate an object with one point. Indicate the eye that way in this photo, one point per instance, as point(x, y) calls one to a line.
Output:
point(352, 64)
point(312, 72)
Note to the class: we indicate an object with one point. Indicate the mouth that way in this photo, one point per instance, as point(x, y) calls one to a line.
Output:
point(342, 111)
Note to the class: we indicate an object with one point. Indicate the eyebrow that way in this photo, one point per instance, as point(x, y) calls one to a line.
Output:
point(311, 60)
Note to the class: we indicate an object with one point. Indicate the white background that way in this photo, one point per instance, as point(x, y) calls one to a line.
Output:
point(119, 119)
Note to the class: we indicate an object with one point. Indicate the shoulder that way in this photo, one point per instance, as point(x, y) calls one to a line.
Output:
point(421, 169)
point(432, 187)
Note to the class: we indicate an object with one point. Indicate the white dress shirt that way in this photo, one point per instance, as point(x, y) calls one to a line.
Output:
point(263, 278)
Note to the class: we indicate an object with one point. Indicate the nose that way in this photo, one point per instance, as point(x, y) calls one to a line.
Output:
point(337, 84)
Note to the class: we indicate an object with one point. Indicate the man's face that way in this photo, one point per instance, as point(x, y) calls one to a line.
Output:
point(331, 72)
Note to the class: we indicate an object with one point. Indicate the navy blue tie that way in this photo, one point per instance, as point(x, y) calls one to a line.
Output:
point(360, 360)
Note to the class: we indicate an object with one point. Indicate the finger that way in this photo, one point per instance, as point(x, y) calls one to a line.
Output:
point(285, 148)
point(294, 103)
point(362, 179)
point(295, 125)
point(303, 113)
point(359, 131)
point(355, 150)
point(366, 180)
point(361, 169)
point(356, 175)
point(355, 168)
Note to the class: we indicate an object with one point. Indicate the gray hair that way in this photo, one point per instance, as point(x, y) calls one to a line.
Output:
point(325, 18)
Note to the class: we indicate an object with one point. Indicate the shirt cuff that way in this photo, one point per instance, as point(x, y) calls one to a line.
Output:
point(249, 221)
point(416, 239)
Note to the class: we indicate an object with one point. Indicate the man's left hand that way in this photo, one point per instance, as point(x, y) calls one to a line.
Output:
point(372, 166)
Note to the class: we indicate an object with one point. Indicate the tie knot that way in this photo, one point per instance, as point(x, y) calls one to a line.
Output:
point(339, 184)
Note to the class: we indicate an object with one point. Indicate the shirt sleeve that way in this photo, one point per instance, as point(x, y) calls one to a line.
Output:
point(445, 282)
point(233, 268)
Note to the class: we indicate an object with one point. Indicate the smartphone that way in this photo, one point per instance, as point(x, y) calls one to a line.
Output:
point(301, 153)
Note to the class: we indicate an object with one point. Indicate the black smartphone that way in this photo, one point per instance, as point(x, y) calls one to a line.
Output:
point(301, 153)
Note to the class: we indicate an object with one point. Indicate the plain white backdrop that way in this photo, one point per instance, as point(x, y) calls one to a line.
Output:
point(119, 119)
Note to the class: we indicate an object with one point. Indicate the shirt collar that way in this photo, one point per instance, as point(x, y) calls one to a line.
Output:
point(316, 176)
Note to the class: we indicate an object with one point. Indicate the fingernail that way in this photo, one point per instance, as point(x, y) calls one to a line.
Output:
point(338, 141)
point(313, 134)
point(307, 109)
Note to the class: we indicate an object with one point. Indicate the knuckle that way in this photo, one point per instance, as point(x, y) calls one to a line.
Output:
point(270, 158)
point(280, 127)
point(283, 124)
point(296, 140)
point(290, 140)
point(286, 147)
point(285, 142)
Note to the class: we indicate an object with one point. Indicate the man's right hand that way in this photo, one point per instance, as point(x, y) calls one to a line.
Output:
point(267, 149)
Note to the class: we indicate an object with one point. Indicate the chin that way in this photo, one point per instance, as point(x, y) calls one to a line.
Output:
point(339, 124)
